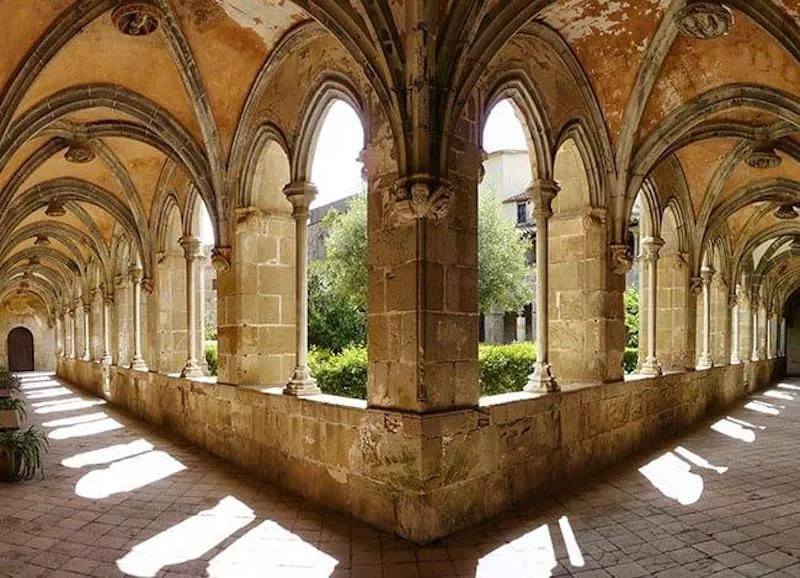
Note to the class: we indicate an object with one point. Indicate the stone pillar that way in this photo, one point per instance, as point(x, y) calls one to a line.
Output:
point(754, 356)
point(95, 328)
point(733, 303)
point(58, 335)
point(72, 333)
point(108, 301)
point(705, 361)
point(782, 337)
point(301, 194)
point(770, 337)
point(192, 248)
point(137, 362)
point(650, 248)
point(541, 195)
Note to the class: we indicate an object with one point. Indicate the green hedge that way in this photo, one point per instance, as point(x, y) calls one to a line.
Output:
point(211, 357)
point(629, 359)
point(505, 368)
point(343, 373)
point(501, 368)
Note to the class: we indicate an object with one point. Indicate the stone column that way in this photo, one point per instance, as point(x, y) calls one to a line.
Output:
point(137, 361)
point(754, 356)
point(705, 361)
point(192, 248)
point(782, 337)
point(301, 194)
point(650, 248)
point(541, 195)
point(733, 303)
point(770, 338)
point(108, 301)
point(72, 333)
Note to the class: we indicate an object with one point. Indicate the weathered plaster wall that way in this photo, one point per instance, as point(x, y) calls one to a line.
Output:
point(424, 476)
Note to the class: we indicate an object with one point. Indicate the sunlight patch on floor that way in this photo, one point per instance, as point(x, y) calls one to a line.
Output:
point(187, 540)
point(774, 394)
point(573, 549)
point(107, 455)
point(270, 550)
point(763, 407)
point(48, 393)
point(734, 430)
point(673, 477)
point(699, 461)
point(77, 419)
point(529, 555)
point(56, 406)
point(85, 429)
point(128, 475)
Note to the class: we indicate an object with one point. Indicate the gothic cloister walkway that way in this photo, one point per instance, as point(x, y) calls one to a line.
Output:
point(121, 498)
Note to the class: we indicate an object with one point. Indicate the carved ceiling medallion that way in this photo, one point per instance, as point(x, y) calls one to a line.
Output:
point(42, 241)
point(705, 20)
point(55, 208)
point(763, 157)
point(136, 18)
point(79, 152)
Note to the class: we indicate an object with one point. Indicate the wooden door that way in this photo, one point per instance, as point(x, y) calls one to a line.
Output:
point(20, 350)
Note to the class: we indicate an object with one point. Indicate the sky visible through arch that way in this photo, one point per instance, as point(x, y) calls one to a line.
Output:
point(336, 169)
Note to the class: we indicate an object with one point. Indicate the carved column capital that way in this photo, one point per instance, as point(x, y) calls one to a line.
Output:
point(300, 194)
point(650, 248)
point(541, 193)
point(707, 274)
point(418, 197)
point(221, 259)
point(192, 247)
point(621, 260)
point(136, 273)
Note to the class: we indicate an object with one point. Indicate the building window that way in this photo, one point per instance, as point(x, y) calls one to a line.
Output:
point(522, 213)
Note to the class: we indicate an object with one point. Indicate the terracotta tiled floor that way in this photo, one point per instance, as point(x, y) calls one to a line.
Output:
point(120, 498)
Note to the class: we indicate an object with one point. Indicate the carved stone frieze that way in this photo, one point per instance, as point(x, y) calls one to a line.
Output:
point(420, 197)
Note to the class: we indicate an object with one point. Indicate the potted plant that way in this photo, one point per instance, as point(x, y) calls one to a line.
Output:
point(12, 412)
point(9, 382)
point(21, 454)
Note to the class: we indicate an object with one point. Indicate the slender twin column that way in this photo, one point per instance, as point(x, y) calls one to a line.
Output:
point(72, 333)
point(137, 361)
point(82, 310)
point(770, 346)
point(192, 249)
point(108, 302)
point(754, 356)
point(782, 337)
point(733, 303)
point(301, 194)
point(705, 361)
point(541, 194)
point(650, 249)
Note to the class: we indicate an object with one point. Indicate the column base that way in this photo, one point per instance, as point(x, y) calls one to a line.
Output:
point(542, 380)
point(705, 363)
point(85, 357)
point(651, 367)
point(755, 358)
point(736, 361)
point(302, 383)
point(138, 364)
point(106, 360)
point(192, 369)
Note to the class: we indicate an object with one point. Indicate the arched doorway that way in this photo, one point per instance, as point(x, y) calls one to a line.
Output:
point(20, 350)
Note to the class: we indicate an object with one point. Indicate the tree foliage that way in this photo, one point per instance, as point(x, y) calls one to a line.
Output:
point(632, 316)
point(345, 264)
point(504, 283)
point(334, 322)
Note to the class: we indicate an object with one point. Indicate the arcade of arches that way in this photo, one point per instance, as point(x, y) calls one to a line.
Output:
point(123, 122)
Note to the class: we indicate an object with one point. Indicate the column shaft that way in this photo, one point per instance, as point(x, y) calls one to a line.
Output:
point(191, 247)
point(650, 248)
point(107, 302)
point(301, 195)
point(734, 304)
point(705, 362)
point(138, 362)
point(542, 194)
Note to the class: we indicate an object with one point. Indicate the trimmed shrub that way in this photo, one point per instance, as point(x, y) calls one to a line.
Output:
point(629, 359)
point(501, 369)
point(343, 374)
point(505, 368)
point(211, 357)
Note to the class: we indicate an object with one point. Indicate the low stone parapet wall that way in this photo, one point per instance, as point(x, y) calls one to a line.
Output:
point(424, 476)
